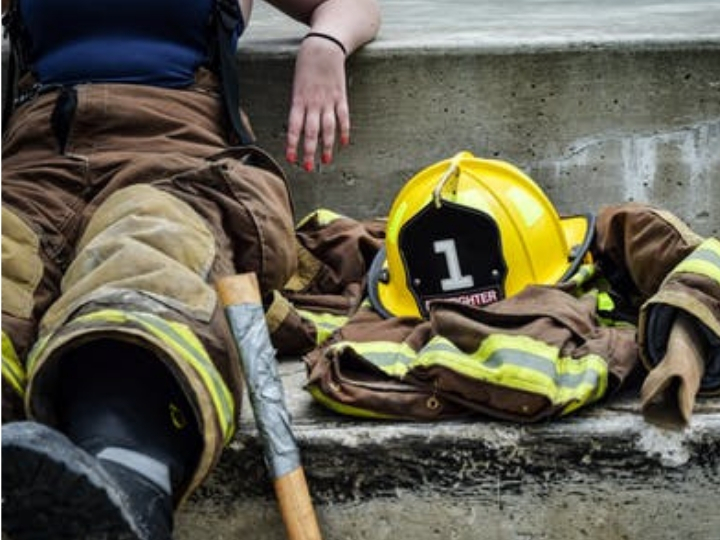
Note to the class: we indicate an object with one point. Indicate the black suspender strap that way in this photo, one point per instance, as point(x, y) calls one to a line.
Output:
point(63, 114)
point(227, 17)
point(10, 87)
point(12, 29)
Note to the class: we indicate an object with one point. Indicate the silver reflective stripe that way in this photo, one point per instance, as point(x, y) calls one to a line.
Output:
point(508, 356)
point(706, 255)
point(152, 469)
point(547, 367)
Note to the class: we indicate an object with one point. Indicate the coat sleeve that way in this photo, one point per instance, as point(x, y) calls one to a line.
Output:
point(637, 245)
point(692, 287)
point(334, 253)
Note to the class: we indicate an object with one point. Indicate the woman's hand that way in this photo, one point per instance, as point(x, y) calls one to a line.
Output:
point(319, 108)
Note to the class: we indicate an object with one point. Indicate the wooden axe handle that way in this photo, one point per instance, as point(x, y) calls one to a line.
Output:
point(296, 506)
point(291, 489)
point(239, 289)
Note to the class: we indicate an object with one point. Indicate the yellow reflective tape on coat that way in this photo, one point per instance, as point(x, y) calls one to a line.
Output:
point(705, 260)
point(180, 339)
point(325, 323)
point(584, 274)
point(523, 363)
point(390, 357)
point(605, 302)
point(342, 408)
point(12, 368)
point(322, 217)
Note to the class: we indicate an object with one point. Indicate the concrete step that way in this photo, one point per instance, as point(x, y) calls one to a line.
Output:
point(599, 102)
point(602, 474)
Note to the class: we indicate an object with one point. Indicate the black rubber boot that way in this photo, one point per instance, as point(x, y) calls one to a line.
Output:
point(52, 489)
point(126, 442)
point(118, 395)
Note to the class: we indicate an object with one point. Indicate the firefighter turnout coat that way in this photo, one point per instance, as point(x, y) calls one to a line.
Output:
point(543, 353)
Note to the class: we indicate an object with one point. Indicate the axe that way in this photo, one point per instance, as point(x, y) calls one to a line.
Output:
point(240, 298)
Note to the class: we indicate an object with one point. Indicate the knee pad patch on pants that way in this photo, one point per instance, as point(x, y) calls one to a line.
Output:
point(145, 241)
point(22, 268)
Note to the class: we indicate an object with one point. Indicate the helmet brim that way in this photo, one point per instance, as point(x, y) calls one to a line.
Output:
point(579, 233)
point(378, 269)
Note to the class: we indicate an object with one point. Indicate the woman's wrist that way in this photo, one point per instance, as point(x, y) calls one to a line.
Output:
point(327, 37)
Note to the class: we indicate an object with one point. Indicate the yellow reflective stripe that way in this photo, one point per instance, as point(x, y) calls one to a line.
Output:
point(523, 363)
point(12, 369)
point(323, 217)
point(325, 323)
point(388, 356)
point(705, 260)
point(605, 302)
point(184, 341)
point(584, 274)
point(342, 408)
point(36, 352)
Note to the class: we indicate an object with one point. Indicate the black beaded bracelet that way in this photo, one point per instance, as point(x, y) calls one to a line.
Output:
point(335, 40)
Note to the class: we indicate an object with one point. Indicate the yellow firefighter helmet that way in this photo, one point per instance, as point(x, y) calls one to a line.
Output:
point(474, 231)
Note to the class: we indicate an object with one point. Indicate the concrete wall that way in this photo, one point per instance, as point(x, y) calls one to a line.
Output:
point(591, 126)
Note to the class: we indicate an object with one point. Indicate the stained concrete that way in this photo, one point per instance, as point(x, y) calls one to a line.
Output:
point(601, 474)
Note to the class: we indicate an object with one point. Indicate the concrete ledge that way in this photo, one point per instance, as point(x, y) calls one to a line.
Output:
point(513, 25)
point(601, 474)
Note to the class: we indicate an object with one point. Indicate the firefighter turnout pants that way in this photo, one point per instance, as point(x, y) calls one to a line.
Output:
point(118, 214)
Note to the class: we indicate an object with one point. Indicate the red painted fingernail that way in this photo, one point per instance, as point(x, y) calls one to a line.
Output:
point(308, 165)
point(326, 158)
point(291, 156)
point(345, 140)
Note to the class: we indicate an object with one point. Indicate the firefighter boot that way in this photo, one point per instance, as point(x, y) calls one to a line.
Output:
point(54, 489)
point(126, 443)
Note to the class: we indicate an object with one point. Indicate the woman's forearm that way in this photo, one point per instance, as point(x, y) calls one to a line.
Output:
point(352, 22)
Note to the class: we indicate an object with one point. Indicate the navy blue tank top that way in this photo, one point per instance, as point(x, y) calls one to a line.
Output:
point(157, 42)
